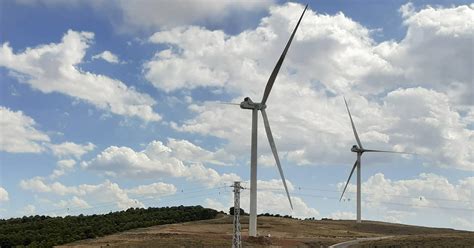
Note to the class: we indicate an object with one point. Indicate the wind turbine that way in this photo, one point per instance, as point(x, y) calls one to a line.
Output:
point(359, 150)
point(255, 107)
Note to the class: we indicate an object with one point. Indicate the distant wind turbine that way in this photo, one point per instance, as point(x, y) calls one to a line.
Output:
point(359, 150)
point(255, 107)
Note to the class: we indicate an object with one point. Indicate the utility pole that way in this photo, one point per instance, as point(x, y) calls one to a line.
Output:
point(236, 241)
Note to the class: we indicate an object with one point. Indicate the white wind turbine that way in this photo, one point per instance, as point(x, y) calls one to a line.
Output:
point(359, 150)
point(255, 107)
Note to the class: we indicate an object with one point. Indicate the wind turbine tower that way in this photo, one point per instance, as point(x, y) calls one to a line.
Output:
point(261, 106)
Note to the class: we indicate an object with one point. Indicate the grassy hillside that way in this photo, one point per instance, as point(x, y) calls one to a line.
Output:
point(282, 232)
point(45, 231)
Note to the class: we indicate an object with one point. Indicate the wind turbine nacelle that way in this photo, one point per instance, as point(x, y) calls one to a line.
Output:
point(355, 148)
point(249, 104)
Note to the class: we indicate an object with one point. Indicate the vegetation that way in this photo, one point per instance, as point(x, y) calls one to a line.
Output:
point(277, 215)
point(231, 211)
point(45, 231)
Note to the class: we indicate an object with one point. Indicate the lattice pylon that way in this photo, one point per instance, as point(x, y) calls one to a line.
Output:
point(236, 239)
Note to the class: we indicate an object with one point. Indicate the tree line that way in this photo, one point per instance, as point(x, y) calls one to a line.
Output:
point(46, 231)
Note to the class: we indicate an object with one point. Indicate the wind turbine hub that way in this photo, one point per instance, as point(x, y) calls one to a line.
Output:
point(249, 104)
point(355, 148)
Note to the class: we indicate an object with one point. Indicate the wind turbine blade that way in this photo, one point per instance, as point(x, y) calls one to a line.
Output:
point(274, 74)
point(228, 103)
point(353, 127)
point(348, 179)
point(389, 152)
point(275, 153)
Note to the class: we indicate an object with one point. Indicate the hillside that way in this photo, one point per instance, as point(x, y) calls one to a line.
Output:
point(282, 232)
point(46, 231)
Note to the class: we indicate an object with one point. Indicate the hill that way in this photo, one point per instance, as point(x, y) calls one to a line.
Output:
point(45, 231)
point(283, 232)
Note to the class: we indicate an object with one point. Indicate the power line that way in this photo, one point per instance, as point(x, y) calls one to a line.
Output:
point(144, 198)
point(369, 193)
point(391, 203)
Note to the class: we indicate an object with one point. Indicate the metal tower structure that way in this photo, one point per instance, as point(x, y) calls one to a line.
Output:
point(236, 240)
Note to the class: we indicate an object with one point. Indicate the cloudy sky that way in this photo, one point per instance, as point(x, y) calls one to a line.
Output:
point(109, 105)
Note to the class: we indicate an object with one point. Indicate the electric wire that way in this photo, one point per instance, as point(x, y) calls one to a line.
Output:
point(183, 194)
point(144, 198)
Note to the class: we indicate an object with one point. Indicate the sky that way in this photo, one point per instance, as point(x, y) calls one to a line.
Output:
point(106, 105)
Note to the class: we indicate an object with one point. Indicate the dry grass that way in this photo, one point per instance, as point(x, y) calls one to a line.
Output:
point(283, 233)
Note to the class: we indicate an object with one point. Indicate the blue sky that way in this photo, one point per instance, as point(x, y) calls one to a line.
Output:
point(108, 106)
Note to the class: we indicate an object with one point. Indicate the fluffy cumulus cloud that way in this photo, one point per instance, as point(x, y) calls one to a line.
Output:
point(70, 149)
point(107, 56)
point(271, 185)
point(3, 195)
point(55, 68)
point(87, 195)
point(153, 189)
point(63, 166)
point(409, 200)
point(272, 198)
point(240, 61)
point(331, 55)
point(277, 203)
point(187, 151)
point(160, 160)
point(427, 124)
point(434, 36)
point(74, 202)
point(19, 133)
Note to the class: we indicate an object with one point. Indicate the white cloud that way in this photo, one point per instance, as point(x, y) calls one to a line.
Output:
point(3, 195)
point(342, 215)
point(187, 151)
point(70, 149)
point(55, 68)
point(230, 61)
point(271, 198)
point(271, 185)
point(19, 134)
point(106, 192)
point(330, 55)
point(74, 202)
point(428, 186)
point(434, 36)
point(153, 189)
point(63, 166)
point(426, 124)
point(277, 203)
point(159, 160)
point(107, 56)
point(217, 205)
point(266, 160)
point(29, 210)
point(409, 200)
point(37, 184)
